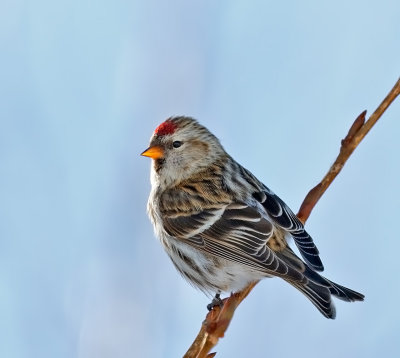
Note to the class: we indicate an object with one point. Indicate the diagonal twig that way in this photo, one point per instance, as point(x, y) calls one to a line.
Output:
point(357, 132)
point(218, 319)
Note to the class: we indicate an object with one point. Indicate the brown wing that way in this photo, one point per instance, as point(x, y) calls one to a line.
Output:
point(236, 232)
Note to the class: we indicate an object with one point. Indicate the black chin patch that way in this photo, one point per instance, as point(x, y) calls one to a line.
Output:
point(158, 164)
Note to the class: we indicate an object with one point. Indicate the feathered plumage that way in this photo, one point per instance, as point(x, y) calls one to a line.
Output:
point(221, 226)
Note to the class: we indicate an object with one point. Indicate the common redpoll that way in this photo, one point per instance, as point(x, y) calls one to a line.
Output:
point(222, 227)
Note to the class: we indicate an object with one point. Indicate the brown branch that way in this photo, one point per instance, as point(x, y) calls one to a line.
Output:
point(217, 320)
point(357, 132)
point(215, 325)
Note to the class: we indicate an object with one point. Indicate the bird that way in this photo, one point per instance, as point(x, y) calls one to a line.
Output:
point(222, 227)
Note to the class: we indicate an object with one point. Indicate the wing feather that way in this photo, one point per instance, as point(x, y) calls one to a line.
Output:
point(282, 216)
point(236, 232)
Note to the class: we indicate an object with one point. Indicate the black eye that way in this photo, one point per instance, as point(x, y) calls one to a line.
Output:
point(177, 144)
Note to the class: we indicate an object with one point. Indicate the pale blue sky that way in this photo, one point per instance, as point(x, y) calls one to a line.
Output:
point(82, 86)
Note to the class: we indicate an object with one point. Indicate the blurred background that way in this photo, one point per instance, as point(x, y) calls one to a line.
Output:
point(83, 84)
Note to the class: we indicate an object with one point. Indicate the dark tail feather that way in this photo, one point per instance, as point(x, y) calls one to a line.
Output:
point(341, 292)
point(344, 293)
point(320, 296)
point(319, 290)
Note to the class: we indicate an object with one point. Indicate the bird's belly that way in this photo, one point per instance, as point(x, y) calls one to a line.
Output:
point(207, 272)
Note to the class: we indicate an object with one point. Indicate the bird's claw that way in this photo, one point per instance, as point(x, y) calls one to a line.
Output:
point(216, 301)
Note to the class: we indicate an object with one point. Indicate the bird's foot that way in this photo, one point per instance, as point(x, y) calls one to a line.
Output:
point(216, 301)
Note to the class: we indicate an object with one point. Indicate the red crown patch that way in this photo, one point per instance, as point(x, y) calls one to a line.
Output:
point(165, 128)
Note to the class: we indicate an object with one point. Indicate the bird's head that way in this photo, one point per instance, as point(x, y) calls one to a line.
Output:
point(180, 147)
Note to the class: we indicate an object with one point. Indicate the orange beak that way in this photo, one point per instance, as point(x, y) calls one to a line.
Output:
point(155, 152)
